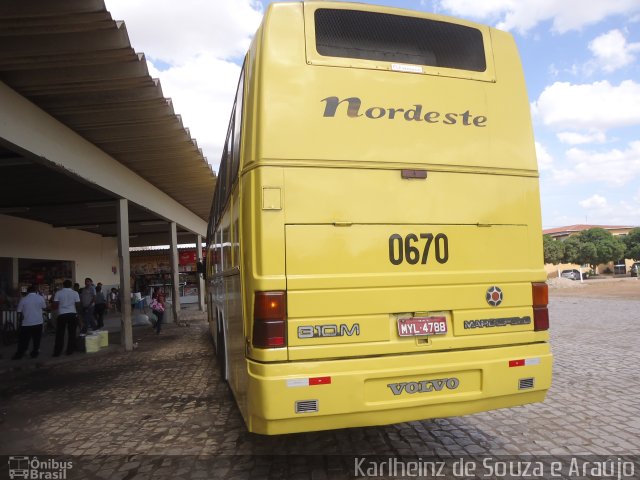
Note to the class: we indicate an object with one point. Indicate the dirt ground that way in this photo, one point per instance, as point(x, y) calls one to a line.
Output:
point(628, 288)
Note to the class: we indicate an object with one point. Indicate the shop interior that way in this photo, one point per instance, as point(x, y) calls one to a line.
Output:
point(48, 275)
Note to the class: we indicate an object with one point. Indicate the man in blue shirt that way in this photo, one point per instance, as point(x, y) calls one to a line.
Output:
point(30, 307)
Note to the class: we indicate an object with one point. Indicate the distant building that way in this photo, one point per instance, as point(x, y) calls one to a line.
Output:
point(561, 233)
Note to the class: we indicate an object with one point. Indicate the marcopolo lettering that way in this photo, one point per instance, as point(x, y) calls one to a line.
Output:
point(414, 113)
point(424, 386)
point(497, 322)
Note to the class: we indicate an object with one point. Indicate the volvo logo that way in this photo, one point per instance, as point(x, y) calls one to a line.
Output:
point(494, 296)
point(424, 386)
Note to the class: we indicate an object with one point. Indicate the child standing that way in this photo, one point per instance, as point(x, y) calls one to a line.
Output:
point(158, 307)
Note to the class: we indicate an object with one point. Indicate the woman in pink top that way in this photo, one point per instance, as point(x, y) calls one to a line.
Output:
point(158, 307)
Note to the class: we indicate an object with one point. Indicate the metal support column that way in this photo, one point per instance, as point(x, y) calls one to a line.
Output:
point(200, 279)
point(15, 273)
point(126, 338)
point(175, 276)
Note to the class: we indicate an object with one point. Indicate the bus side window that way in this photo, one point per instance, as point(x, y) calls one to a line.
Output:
point(217, 252)
point(237, 127)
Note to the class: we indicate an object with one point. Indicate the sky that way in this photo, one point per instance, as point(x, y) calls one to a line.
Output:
point(581, 61)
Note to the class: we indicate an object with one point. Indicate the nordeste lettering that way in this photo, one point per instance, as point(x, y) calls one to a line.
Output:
point(413, 113)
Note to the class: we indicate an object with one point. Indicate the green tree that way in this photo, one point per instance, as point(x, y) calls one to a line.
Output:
point(593, 246)
point(632, 242)
point(553, 250)
point(572, 250)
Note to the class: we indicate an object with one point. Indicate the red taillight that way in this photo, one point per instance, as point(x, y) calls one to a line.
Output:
point(540, 292)
point(270, 320)
point(320, 381)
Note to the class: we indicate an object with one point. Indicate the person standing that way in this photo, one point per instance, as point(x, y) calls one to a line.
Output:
point(114, 301)
point(30, 307)
point(100, 306)
point(158, 307)
point(66, 301)
point(88, 300)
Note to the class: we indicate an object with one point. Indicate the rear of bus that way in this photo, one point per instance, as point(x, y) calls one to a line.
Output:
point(390, 222)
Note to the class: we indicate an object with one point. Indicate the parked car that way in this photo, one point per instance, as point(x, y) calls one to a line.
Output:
point(634, 269)
point(574, 274)
point(620, 269)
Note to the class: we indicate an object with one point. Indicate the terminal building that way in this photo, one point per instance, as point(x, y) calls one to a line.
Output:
point(93, 158)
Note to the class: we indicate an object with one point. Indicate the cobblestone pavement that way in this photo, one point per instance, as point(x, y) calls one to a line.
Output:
point(162, 411)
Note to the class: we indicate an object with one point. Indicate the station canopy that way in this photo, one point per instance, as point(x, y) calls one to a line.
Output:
point(74, 62)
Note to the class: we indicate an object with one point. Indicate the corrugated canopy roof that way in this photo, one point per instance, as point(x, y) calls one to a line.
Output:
point(72, 60)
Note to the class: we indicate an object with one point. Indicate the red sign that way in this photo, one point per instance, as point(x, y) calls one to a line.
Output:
point(188, 257)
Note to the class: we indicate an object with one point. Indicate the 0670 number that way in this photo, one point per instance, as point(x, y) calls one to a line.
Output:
point(407, 249)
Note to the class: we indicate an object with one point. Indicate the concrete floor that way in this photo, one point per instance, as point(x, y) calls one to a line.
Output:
point(162, 411)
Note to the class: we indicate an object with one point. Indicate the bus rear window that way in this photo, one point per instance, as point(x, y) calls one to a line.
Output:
point(395, 38)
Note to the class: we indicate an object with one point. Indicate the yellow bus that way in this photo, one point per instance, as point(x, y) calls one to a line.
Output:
point(375, 248)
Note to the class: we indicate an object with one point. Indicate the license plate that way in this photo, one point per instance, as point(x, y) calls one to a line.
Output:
point(417, 326)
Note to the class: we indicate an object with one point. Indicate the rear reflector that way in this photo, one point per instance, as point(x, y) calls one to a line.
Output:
point(308, 382)
point(270, 320)
point(524, 362)
point(540, 294)
point(320, 381)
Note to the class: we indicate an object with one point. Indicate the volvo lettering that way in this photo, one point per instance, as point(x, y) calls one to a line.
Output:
point(424, 386)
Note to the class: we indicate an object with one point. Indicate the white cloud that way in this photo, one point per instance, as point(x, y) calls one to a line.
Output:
point(595, 201)
point(597, 106)
point(176, 31)
point(473, 8)
point(545, 160)
point(612, 52)
point(600, 211)
point(620, 213)
point(623, 213)
point(523, 15)
point(202, 91)
point(190, 46)
point(573, 138)
point(614, 167)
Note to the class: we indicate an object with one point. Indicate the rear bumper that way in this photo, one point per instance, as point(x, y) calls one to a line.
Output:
point(392, 389)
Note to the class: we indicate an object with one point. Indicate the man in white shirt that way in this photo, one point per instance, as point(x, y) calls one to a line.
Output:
point(30, 307)
point(66, 302)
